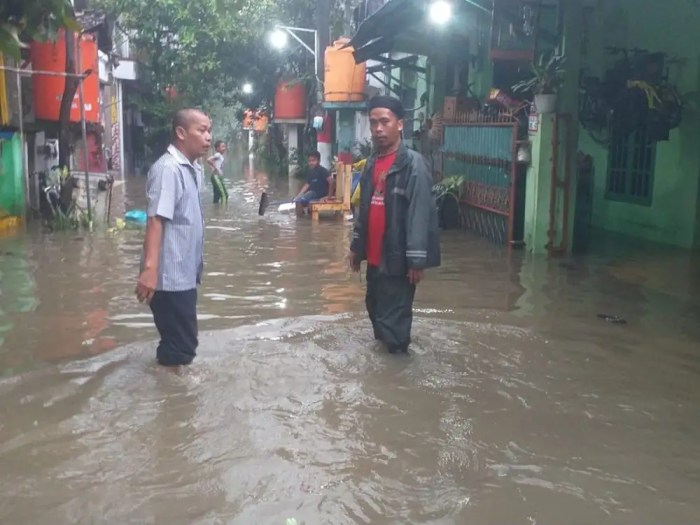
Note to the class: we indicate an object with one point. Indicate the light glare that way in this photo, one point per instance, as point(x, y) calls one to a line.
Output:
point(278, 39)
point(440, 12)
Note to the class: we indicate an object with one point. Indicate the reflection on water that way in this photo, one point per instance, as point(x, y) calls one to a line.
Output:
point(518, 405)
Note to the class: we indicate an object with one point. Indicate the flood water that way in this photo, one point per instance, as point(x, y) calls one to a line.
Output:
point(517, 405)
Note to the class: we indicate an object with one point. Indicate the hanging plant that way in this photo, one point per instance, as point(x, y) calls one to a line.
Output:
point(547, 76)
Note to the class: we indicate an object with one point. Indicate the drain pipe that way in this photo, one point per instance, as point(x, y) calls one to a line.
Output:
point(551, 231)
point(25, 154)
point(84, 133)
point(568, 119)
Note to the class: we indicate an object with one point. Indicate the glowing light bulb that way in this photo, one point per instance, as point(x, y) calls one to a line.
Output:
point(440, 12)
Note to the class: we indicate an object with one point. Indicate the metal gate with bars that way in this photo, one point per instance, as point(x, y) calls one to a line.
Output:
point(484, 155)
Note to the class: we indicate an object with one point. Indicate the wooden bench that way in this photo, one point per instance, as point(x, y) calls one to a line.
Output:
point(343, 191)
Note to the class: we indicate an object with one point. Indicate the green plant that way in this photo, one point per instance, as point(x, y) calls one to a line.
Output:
point(302, 164)
point(547, 76)
point(362, 150)
point(269, 156)
point(73, 218)
point(21, 20)
point(454, 184)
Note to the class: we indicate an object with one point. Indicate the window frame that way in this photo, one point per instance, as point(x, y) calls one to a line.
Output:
point(631, 150)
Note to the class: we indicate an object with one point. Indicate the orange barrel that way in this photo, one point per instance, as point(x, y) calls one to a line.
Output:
point(171, 93)
point(248, 115)
point(261, 123)
point(290, 100)
point(344, 79)
point(48, 90)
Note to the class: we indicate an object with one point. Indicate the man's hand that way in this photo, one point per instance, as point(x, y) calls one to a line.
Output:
point(415, 276)
point(353, 263)
point(146, 286)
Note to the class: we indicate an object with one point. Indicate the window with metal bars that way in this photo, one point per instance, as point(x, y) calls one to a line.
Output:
point(631, 163)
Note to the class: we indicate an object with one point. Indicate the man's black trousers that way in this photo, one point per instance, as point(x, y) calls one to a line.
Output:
point(175, 317)
point(389, 303)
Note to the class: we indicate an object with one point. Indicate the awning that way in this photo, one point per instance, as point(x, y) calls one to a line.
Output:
point(402, 25)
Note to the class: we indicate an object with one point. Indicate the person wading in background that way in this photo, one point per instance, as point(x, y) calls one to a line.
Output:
point(216, 163)
point(172, 259)
point(396, 229)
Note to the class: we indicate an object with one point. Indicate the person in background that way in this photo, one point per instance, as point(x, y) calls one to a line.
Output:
point(396, 229)
point(319, 184)
point(216, 162)
point(172, 260)
point(357, 170)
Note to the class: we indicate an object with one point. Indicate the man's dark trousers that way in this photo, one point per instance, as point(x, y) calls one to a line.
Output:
point(389, 303)
point(175, 317)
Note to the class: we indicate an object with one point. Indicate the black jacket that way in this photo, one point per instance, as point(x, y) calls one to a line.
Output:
point(411, 238)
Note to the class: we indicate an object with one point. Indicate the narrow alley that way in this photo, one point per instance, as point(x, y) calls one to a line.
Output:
point(518, 404)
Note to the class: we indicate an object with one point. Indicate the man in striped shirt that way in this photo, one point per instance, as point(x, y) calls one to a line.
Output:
point(172, 259)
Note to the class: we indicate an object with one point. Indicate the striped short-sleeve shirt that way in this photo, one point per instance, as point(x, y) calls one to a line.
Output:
point(173, 194)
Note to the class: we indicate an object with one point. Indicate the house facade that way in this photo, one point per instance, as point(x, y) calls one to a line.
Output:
point(554, 182)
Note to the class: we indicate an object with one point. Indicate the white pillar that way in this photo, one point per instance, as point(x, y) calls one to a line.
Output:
point(292, 147)
point(325, 148)
point(120, 116)
point(251, 142)
point(326, 151)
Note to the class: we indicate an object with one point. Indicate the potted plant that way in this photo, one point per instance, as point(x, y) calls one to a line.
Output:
point(448, 194)
point(547, 78)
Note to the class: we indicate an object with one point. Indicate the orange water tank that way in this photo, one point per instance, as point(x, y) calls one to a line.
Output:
point(290, 100)
point(248, 115)
point(171, 94)
point(344, 79)
point(261, 123)
point(48, 90)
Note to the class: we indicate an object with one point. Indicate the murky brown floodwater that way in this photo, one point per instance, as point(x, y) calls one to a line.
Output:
point(517, 406)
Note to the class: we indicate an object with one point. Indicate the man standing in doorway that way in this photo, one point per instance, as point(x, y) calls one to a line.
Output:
point(172, 260)
point(396, 229)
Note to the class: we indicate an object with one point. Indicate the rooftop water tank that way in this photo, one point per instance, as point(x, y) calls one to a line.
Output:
point(48, 90)
point(290, 100)
point(344, 79)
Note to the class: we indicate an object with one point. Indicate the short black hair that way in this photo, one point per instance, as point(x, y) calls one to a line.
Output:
point(218, 143)
point(314, 154)
point(182, 118)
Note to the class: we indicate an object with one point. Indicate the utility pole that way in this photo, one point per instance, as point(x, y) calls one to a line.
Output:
point(323, 38)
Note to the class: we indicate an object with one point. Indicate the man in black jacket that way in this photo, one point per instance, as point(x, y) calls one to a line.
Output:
point(396, 229)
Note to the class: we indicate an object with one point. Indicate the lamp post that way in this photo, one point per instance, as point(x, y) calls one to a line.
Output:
point(279, 38)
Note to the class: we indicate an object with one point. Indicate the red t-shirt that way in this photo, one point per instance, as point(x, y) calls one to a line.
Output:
point(376, 222)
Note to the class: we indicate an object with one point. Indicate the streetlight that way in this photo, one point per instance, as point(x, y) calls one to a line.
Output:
point(440, 12)
point(278, 39)
point(248, 88)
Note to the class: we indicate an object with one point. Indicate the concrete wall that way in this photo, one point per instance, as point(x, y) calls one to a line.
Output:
point(669, 26)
